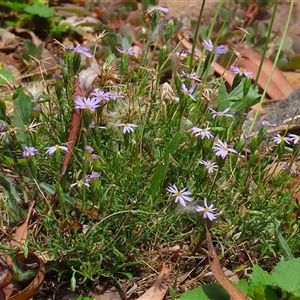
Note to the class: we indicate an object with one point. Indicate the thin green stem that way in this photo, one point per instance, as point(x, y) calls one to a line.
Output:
point(196, 35)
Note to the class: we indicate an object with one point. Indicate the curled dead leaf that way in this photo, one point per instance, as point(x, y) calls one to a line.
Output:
point(279, 87)
point(159, 288)
point(37, 281)
point(21, 232)
point(5, 277)
point(87, 77)
point(218, 273)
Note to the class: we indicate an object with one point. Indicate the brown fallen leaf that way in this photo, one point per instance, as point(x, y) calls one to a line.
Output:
point(279, 87)
point(227, 75)
point(296, 196)
point(20, 235)
point(63, 228)
point(35, 284)
point(293, 78)
point(5, 279)
point(82, 87)
point(35, 40)
point(21, 232)
point(218, 273)
point(159, 288)
point(110, 294)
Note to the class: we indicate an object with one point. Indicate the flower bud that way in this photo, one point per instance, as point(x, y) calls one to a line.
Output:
point(169, 29)
point(163, 55)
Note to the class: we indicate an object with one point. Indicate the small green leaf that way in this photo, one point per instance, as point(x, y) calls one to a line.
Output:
point(222, 101)
point(31, 49)
point(22, 114)
point(40, 10)
point(236, 81)
point(69, 199)
point(283, 244)
point(260, 278)
point(294, 63)
point(6, 76)
point(51, 190)
point(270, 293)
point(286, 276)
point(14, 5)
point(126, 274)
point(172, 293)
point(287, 44)
point(244, 103)
point(160, 172)
point(12, 198)
point(212, 291)
point(242, 285)
point(260, 43)
point(48, 188)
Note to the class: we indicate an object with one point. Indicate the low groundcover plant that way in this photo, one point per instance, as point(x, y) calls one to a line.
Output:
point(143, 165)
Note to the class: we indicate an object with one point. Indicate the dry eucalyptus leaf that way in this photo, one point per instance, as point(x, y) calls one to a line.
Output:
point(87, 76)
point(111, 294)
point(279, 87)
point(218, 273)
point(159, 288)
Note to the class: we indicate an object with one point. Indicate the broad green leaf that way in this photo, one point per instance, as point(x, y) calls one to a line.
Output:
point(172, 147)
point(161, 170)
point(40, 10)
point(286, 276)
point(31, 49)
point(267, 293)
point(126, 274)
point(14, 5)
point(283, 244)
point(158, 177)
point(172, 292)
point(23, 106)
point(287, 44)
point(13, 200)
point(258, 283)
point(48, 188)
point(148, 3)
point(294, 63)
point(238, 102)
point(261, 42)
point(65, 27)
point(242, 285)
point(6, 76)
point(212, 291)
point(51, 190)
point(69, 199)
point(260, 277)
point(222, 100)
point(271, 294)
point(22, 115)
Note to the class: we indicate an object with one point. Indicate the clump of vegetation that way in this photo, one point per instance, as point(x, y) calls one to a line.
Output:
point(118, 155)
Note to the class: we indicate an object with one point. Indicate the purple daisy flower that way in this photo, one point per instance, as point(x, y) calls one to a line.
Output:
point(80, 50)
point(210, 47)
